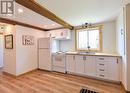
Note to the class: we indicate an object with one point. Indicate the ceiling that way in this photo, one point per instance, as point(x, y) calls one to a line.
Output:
point(30, 17)
point(78, 12)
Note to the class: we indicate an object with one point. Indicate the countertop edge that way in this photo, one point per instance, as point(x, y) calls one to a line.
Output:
point(104, 55)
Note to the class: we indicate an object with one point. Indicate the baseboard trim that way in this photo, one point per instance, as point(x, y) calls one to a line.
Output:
point(8, 74)
point(15, 76)
point(27, 72)
point(95, 78)
point(124, 88)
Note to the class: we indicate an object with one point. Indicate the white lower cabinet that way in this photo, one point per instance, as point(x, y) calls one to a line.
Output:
point(79, 64)
point(113, 70)
point(70, 63)
point(90, 66)
point(100, 67)
point(108, 68)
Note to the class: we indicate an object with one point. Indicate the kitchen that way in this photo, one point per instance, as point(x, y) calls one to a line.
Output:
point(100, 65)
point(95, 51)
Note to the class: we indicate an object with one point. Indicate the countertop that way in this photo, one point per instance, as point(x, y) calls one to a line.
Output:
point(96, 54)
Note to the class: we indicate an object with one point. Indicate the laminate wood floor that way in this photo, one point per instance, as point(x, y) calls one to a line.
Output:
point(51, 82)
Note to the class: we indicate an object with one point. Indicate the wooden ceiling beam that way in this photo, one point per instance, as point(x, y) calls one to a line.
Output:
point(34, 6)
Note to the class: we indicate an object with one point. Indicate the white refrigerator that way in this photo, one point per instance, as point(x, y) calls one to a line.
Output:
point(46, 46)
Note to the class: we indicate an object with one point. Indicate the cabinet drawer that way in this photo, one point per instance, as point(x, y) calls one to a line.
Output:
point(101, 67)
point(106, 59)
point(101, 70)
point(102, 59)
point(101, 74)
point(101, 64)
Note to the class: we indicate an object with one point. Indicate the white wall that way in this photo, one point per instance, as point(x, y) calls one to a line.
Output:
point(109, 39)
point(121, 44)
point(1, 50)
point(68, 45)
point(21, 58)
point(127, 22)
point(9, 59)
point(26, 55)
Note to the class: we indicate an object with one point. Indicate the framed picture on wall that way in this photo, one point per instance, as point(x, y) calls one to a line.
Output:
point(9, 41)
point(28, 40)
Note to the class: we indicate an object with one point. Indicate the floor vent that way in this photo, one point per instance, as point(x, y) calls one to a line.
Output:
point(87, 91)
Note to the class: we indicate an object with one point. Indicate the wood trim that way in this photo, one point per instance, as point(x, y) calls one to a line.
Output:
point(56, 28)
point(124, 88)
point(9, 21)
point(15, 76)
point(27, 72)
point(8, 74)
point(34, 6)
point(100, 38)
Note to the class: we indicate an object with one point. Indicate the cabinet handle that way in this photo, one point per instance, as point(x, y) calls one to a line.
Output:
point(101, 69)
point(73, 57)
point(101, 64)
point(117, 61)
point(102, 75)
point(84, 57)
point(101, 58)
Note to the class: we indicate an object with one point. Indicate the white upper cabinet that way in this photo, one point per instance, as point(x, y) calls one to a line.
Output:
point(61, 34)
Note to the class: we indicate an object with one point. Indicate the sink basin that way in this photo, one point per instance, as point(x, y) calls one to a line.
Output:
point(86, 52)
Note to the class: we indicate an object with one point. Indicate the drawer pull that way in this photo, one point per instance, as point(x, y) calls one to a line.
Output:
point(101, 70)
point(73, 57)
point(84, 57)
point(102, 75)
point(101, 58)
point(101, 64)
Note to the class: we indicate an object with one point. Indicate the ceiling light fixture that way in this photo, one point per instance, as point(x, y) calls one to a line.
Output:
point(45, 26)
point(53, 24)
point(20, 10)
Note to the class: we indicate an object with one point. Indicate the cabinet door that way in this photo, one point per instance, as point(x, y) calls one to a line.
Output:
point(113, 69)
point(70, 63)
point(79, 61)
point(90, 66)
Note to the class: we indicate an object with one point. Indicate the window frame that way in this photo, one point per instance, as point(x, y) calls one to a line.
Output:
point(99, 27)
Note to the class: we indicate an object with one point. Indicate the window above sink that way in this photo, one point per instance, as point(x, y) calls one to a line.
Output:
point(89, 39)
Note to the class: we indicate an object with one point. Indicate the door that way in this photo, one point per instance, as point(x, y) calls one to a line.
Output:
point(44, 59)
point(80, 63)
point(70, 63)
point(90, 66)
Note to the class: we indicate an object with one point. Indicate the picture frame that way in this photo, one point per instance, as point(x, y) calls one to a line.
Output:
point(27, 40)
point(9, 41)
